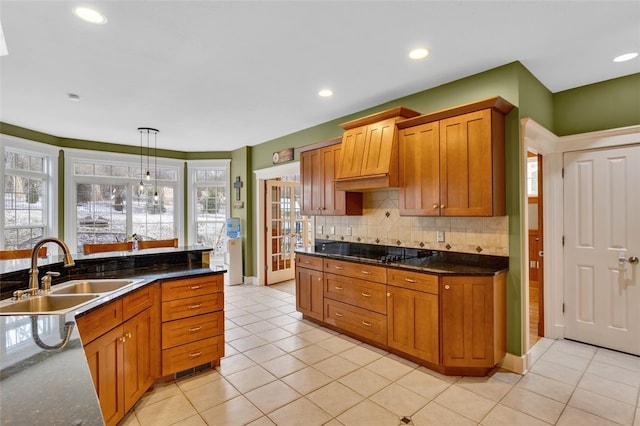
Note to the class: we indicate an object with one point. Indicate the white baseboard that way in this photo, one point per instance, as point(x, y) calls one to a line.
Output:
point(515, 363)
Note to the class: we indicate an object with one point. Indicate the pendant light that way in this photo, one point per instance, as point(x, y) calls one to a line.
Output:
point(147, 131)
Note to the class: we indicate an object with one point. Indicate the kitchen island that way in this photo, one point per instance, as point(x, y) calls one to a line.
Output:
point(55, 387)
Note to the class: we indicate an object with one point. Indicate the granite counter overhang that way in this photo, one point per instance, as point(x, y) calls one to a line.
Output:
point(418, 260)
point(55, 387)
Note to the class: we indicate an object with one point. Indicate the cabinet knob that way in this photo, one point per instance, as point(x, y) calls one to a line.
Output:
point(435, 205)
point(447, 287)
point(442, 206)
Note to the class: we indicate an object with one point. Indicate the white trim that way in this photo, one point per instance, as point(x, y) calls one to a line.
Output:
point(552, 148)
point(515, 363)
point(260, 176)
point(194, 166)
point(51, 156)
point(72, 155)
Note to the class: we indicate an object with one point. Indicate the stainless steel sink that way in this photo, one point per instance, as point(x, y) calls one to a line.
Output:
point(91, 286)
point(34, 305)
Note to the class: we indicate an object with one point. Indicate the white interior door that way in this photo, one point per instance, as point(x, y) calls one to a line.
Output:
point(281, 212)
point(601, 225)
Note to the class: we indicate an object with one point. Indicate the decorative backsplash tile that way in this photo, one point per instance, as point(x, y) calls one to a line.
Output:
point(381, 223)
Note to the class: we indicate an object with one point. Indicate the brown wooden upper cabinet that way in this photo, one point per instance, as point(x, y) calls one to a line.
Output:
point(318, 165)
point(452, 162)
point(369, 155)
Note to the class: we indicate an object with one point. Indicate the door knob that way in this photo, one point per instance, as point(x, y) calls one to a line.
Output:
point(622, 259)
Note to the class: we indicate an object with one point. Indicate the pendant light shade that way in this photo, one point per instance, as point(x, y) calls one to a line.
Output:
point(145, 135)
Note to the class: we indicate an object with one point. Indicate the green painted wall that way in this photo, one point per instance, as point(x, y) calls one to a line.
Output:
point(605, 105)
point(241, 167)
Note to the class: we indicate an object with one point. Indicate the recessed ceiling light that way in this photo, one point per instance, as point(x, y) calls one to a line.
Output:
point(625, 57)
point(419, 53)
point(73, 97)
point(325, 93)
point(90, 15)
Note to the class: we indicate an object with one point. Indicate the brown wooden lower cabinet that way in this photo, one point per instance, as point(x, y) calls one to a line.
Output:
point(192, 323)
point(473, 321)
point(412, 323)
point(309, 293)
point(454, 324)
point(123, 360)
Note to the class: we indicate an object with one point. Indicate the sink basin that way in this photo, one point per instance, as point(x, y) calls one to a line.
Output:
point(91, 286)
point(34, 305)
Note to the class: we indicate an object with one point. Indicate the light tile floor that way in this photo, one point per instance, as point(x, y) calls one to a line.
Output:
point(280, 369)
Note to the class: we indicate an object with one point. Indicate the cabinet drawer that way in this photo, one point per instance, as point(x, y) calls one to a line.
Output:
point(96, 323)
point(362, 322)
point(137, 301)
point(364, 294)
point(413, 280)
point(181, 289)
point(192, 354)
point(183, 308)
point(356, 270)
point(309, 262)
point(179, 332)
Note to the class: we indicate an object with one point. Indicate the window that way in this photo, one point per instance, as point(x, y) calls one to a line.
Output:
point(209, 187)
point(27, 187)
point(106, 202)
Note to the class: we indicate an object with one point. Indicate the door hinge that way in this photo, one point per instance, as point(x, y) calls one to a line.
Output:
point(266, 267)
point(563, 241)
point(266, 229)
point(563, 308)
point(563, 173)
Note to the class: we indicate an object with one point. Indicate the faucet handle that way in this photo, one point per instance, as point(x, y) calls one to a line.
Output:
point(46, 280)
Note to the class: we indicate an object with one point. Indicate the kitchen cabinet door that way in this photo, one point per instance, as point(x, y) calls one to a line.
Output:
point(473, 321)
point(353, 150)
point(106, 364)
point(318, 170)
point(419, 149)
point(138, 349)
point(380, 149)
point(467, 166)
point(412, 323)
point(309, 293)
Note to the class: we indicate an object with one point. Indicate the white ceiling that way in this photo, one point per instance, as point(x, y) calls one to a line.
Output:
point(216, 76)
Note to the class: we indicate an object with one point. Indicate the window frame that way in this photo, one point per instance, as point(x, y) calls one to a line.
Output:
point(71, 180)
point(194, 166)
point(50, 155)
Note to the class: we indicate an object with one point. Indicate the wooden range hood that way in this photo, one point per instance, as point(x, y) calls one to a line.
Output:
point(369, 153)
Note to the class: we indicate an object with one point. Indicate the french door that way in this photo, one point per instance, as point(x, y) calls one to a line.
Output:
point(286, 229)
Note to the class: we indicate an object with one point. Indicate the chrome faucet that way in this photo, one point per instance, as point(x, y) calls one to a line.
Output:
point(68, 261)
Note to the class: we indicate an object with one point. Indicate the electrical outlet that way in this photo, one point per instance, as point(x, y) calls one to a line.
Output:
point(348, 230)
point(332, 230)
point(440, 236)
point(319, 229)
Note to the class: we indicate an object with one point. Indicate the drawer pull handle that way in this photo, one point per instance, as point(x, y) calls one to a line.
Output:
point(338, 314)
point(409, 280)
point(366, 294)
point(307, 262)
point(339, 288)
point(195, 306)
point(338, 267)
point(194, 329)
point(195, 354)
point(195, 287)
point(366, 272)
point(366, 324)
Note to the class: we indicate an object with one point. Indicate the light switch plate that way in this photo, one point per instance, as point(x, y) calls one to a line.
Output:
point(440, 236)
point(348, 230)
point(332, 230)
point(319, 229)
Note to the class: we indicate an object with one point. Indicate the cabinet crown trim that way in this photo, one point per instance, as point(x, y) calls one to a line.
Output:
point(496, 103)
point(399, 112)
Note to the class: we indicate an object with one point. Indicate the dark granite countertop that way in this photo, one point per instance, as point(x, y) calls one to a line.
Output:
point(54, 387)
point(422, 260)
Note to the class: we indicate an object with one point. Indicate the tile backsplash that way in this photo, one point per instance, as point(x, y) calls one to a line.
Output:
point(381, 223)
